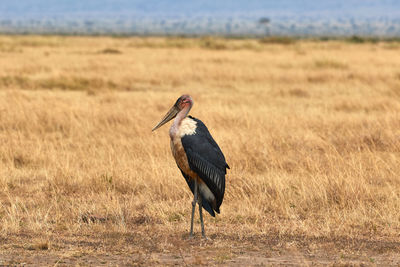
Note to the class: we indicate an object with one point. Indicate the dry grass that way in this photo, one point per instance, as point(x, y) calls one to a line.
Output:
point(311, 131)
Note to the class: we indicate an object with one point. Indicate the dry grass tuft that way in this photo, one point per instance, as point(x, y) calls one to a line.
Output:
point(313, 143)
point(39, 245)
point(110, 51)
point(329, 64)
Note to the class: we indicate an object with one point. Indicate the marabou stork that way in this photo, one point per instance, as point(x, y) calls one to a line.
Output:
point(198, 157)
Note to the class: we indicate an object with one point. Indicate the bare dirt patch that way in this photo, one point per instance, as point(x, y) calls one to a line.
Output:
point(148, 247)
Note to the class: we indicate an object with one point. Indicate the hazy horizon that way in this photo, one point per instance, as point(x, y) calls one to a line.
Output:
point(306, 17)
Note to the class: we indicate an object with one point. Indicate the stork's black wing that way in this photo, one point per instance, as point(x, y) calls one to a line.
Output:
point(207, 160)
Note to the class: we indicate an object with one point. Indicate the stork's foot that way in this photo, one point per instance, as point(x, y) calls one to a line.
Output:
point(203, 236)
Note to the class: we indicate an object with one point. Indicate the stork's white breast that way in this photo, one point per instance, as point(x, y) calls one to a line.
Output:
point(188, 127)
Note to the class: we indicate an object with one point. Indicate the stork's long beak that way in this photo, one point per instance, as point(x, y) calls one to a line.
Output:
point(169, 116)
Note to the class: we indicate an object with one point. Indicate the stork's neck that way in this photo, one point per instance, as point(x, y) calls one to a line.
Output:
point(177, 121)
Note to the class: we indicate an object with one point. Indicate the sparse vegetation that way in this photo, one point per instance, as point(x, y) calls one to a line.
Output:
point(359, 39)
point(313, 149)
point(278, 40)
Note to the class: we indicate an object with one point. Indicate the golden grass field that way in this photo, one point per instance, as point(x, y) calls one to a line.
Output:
point(310, 129)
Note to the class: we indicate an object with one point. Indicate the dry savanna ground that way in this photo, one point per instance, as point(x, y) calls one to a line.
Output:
point(311, 130)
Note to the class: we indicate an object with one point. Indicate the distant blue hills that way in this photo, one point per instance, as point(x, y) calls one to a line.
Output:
point(379, 18)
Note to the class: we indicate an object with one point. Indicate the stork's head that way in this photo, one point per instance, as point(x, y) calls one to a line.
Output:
point(185, 103)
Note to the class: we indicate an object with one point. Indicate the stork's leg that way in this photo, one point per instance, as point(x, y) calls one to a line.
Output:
point(193, 207)
point(203, 233)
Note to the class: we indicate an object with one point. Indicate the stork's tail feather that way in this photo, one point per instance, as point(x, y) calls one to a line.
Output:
point(208, 208)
